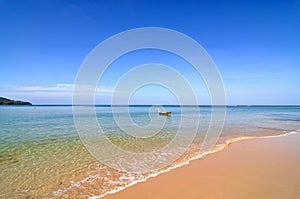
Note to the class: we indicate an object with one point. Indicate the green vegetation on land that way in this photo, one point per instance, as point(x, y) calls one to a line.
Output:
point(5, 101)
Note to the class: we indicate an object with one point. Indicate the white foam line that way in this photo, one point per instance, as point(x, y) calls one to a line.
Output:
point(76, 184)
point(217, 148)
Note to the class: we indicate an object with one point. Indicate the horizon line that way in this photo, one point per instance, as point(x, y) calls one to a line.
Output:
point(109, 105)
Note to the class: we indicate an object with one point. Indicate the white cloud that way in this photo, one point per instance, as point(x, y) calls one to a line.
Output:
point(59, 93)
point(59, 88)
point(56, 94)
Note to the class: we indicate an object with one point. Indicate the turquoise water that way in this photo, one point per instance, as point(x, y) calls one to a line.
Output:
point(42, 155)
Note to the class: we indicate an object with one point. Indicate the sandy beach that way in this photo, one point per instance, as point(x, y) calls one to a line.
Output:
point(254, 168)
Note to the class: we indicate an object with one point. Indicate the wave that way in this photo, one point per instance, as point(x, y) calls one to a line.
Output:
point(217, 148)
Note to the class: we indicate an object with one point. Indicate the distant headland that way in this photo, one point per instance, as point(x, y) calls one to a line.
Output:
point(5, 101)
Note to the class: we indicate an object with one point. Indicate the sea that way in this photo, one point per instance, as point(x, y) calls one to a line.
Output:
point(50, 152)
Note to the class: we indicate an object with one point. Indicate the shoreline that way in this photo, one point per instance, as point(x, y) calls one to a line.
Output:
point(133, 189)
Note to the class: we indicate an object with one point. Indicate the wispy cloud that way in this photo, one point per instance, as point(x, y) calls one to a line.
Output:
point(58, 88)
point(55, 94)
point(55, 91)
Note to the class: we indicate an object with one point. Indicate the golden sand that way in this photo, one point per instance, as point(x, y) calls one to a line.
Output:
point(255, 168)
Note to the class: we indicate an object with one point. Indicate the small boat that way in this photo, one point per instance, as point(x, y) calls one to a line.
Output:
point(164, 113)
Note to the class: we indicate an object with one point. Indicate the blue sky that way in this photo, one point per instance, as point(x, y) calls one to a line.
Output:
point(255, 45)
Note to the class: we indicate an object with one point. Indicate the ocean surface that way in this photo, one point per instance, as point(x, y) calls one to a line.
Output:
point(43, 156)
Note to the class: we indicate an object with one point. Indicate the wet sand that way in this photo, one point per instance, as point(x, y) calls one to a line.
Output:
point(255, 168)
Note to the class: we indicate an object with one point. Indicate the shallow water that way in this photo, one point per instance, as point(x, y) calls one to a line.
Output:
point(42, 155)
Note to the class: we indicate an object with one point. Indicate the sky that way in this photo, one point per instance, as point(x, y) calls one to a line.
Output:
point(254, 44)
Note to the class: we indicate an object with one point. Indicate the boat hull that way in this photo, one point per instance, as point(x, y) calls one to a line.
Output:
point(165, 113)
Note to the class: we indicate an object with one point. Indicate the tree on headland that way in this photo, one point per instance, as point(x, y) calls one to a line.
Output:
point(5, 101)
